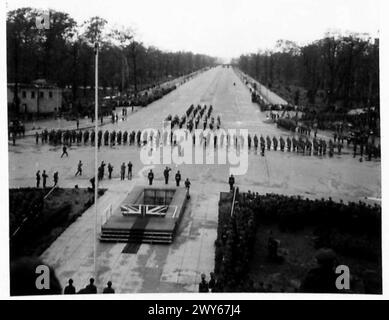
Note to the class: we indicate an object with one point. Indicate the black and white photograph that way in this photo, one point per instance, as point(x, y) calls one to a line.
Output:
point(191, 147)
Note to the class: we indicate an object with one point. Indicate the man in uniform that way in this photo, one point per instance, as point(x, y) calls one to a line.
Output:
point(275, 143)
point(64, 151)
point(122, 171)
point(129, 173)
point(36, 137)
point(55, 178)
point(187, 186)
point(150, 176)
point(255, 142)
point(288, 143)
point(166, 174)
point(178, 178)
point(110, 169)
point(282, 144)
point(79, 168)
point(263, 149)
point(38, 178)
point(44, 179)
point(231, 182)
point(268, 142)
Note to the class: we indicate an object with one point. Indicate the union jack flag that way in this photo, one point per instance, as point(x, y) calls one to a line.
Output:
point(131, 209)
point(156, 210)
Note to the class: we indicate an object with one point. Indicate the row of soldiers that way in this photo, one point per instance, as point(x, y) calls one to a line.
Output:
point(68, 137)
point(304, 145)
point(300, 145)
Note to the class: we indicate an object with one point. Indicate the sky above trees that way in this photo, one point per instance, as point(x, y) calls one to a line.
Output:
point(223, 28)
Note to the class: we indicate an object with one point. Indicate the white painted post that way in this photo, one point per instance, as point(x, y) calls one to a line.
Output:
point(96, 152)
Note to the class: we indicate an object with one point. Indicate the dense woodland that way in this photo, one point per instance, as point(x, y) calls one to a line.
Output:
point(339, 71)
point(64, 54)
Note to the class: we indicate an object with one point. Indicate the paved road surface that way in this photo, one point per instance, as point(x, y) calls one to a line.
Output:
point(177, 268)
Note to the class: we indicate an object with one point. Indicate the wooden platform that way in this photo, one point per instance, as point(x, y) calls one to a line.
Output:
point(147, 229)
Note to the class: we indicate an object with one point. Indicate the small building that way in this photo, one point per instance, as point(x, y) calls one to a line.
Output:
point(36, 98)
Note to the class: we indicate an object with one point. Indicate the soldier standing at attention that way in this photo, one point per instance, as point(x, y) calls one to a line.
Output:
point(231, 182)
point(129, 174)
point(166, 174)
point(122, 171)
point(38, 178)
point(150, 176)
point(110, 169)
point(178, 178)
point(79, 169)
point(44, 179)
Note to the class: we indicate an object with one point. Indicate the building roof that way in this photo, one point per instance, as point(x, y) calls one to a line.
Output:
point(37, 84)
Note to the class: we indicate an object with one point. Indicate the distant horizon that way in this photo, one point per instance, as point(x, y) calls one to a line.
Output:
point(211, 37)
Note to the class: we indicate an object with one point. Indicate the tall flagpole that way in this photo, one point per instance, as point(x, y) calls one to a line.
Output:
point(96, 151)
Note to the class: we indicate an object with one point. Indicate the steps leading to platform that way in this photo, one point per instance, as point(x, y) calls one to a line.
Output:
point(136, 236)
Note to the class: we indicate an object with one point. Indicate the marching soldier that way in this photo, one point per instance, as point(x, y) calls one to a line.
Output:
point(255, 142)
point(249, 141)
point(36, 137)
point(282, 144)
point(119, 138)
point(263, 149)
point(288, 143)
point(275, 143)
point(178, 178)
point(268, 142)
point(294, 144)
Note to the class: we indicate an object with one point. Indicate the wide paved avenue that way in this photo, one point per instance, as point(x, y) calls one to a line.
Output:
point(177, 268)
